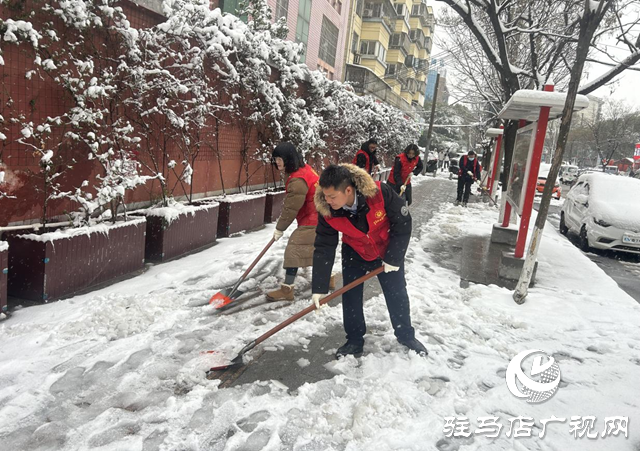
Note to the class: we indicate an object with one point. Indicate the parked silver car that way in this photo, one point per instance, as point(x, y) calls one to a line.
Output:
point(604, 211)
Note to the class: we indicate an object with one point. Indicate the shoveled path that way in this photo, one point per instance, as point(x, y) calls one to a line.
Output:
point(282, 365)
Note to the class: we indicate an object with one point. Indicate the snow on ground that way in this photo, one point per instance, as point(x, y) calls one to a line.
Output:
point(122, 368)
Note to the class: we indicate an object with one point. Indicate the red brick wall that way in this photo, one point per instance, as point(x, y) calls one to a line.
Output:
point(38, 98)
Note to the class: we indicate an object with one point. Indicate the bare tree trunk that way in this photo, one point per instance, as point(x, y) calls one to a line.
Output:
point(588, 25)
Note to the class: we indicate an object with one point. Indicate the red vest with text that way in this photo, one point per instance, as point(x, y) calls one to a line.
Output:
point(372, 245)
point(367, 167)
point(307, 215)
point(464, 163)
point(407, 167)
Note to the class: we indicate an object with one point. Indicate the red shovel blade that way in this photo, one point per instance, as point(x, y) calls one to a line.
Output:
point(222, 363)
point(223, 298)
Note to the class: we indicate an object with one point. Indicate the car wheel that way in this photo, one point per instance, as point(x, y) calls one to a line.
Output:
point(563, 226)
point(584, 241)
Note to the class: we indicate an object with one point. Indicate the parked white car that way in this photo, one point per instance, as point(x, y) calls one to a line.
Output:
point(604, 211)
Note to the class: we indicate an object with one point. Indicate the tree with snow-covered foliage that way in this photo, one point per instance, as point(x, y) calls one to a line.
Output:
point(499, 47)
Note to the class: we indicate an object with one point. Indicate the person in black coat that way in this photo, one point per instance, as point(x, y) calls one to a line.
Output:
point(376, 230)
point(366, 157)
point(468, 172)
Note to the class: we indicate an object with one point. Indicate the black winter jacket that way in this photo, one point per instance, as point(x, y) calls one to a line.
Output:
point(397, 171)
point(469, 167)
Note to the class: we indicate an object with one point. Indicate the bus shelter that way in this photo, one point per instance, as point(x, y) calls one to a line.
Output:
point(533, 110)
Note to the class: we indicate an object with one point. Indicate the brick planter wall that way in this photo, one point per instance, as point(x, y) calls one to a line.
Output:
point(4, 270)
point(273, 205)
point(58, 264)
point(240, 213)
point(168, 238)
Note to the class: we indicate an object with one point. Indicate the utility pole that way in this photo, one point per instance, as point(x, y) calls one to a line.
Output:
point(429, 130)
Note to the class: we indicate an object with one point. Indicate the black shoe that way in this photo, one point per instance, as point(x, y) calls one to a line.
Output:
point(351, 347)
point(416, 346)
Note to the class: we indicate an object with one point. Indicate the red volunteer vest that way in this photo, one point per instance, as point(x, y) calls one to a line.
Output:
point(407, 167)
point(372, 245)
point(464, 162)
point(307, 215)
point(366, 155)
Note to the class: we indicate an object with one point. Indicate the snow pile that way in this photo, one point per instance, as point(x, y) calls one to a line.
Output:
point(176, 209)
point(103, 228)
point(4, 246)
point(240, 197)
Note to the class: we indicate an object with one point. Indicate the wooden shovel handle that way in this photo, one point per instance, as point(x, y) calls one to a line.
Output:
point(255, 262)
point(312, 307)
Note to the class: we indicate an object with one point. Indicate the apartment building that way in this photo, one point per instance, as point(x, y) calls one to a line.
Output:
point(388, 50)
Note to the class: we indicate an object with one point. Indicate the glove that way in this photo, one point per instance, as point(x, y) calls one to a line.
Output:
point(316, 300)
point(390, 268)
point(277, 234)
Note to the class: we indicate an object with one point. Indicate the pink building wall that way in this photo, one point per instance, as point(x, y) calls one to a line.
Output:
point(319, 8)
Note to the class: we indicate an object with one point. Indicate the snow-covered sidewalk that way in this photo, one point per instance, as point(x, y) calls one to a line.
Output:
point(122, 368)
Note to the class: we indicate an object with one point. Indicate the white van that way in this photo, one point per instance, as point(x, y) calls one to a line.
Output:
point(568, 173)
point(611, 170)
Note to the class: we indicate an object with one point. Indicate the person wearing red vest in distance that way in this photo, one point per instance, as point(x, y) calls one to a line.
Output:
point(298, 204)
point(366, 158)
point(469, 171)
point(376, 229)
point(406, 163)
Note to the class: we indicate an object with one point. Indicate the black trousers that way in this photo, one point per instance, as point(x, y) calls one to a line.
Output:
point(394, 287)
point(464, 184)
point(407, 192)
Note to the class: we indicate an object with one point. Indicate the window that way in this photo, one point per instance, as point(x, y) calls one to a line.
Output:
point(395, 40)
point(372, 10)
point(373, 48)
point(302, 27)
point(368, 47)
point(328, 42)
point(230, 6)
point(282, 9)
point(337, 5)
point(392, 69)
point(359, 7)
point(400, 9)
point(354, 42)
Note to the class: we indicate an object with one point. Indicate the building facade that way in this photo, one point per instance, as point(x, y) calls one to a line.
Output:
point(319, 25)
point(437, 67)
point(388, 50)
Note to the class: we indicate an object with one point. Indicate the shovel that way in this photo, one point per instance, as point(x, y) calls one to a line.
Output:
point(238, 359)
point(228, 295)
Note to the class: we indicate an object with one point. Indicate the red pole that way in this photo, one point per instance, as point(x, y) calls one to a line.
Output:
point(495, 163)
point(538, 145)
point(507, 214)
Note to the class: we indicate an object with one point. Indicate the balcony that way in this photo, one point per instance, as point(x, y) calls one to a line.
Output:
point(400, 41)
point(364, 81)
point(379, 12)
point(425, 14)
point(409, 85)
point(428, 43)
point(417, 36)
